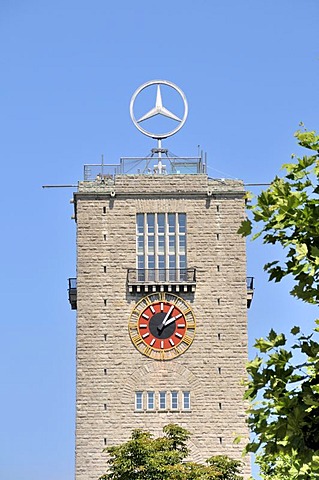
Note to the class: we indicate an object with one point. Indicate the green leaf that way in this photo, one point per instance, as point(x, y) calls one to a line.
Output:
point(245, 228)
point(295, 330)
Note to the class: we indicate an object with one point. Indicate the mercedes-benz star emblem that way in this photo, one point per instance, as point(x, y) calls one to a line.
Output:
point(159, 109)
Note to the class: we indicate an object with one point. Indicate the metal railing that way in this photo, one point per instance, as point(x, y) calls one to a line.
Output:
point(136, 276)
point(100, 171)
point(169, 165)
point(161, 275)
point(72, 291)
point(149, 165)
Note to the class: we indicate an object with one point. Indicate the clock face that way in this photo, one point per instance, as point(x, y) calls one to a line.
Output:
point(162, 326)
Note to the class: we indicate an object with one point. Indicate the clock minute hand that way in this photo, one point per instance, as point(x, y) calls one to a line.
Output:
point(162, 325)
point(169, 321)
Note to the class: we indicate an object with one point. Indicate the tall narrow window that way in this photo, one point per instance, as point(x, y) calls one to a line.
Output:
point(174, 400)
point(161, 246)
point(162, 400)
point(186, 401)
point(150, 400)
point(138, 400)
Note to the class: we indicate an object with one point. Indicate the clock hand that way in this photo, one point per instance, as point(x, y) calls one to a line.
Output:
point(162, 325)
point(172, 319)
point(168, 322)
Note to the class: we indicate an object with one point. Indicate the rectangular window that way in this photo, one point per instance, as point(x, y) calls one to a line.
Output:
point(174, 400)
point(138, 400)
point(150, 400)
point(161, 247)
point(162, 400)
point(186, 401)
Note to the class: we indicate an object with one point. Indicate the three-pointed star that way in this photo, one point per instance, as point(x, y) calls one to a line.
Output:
point(159, 109)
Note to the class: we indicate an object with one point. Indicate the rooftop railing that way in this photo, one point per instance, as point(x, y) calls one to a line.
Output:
point(153, 164)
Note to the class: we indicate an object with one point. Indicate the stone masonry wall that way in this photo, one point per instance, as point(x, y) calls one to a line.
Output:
point(109, 368)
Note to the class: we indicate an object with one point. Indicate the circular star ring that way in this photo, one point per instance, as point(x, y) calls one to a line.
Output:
point(159, 109)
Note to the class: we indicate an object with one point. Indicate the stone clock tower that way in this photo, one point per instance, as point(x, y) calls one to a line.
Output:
point(161, 297)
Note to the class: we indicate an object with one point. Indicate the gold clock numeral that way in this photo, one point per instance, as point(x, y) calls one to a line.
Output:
point(186, 311)
point(132, 325)
point(162, 355)
point(153, 297)
point(162, 296)
point(171, 298)
point(148, 351)
point(191, 325)
point(179, 349)
point(137, 340)
point(187, 339)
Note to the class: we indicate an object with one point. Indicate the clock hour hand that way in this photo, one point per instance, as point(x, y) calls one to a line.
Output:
point(162, 325)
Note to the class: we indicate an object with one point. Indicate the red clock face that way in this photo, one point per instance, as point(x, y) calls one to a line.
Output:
point(162, 326)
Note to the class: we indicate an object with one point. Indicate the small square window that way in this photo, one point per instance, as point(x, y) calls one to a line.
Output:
point(162, 400)
point(138, 400)
point(186, 400)
point(150, 400)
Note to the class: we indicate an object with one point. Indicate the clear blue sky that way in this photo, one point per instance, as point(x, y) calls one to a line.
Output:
point(250, 71)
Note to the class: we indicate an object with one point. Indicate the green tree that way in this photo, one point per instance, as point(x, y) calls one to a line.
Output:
point(286, 418)
point(146, 458)
point(289, 213)
point(283, 389)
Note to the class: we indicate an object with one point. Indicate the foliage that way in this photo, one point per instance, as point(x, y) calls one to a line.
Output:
point(286, 419)
point(289, 213)
point(283, 389)
point(146, 458)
